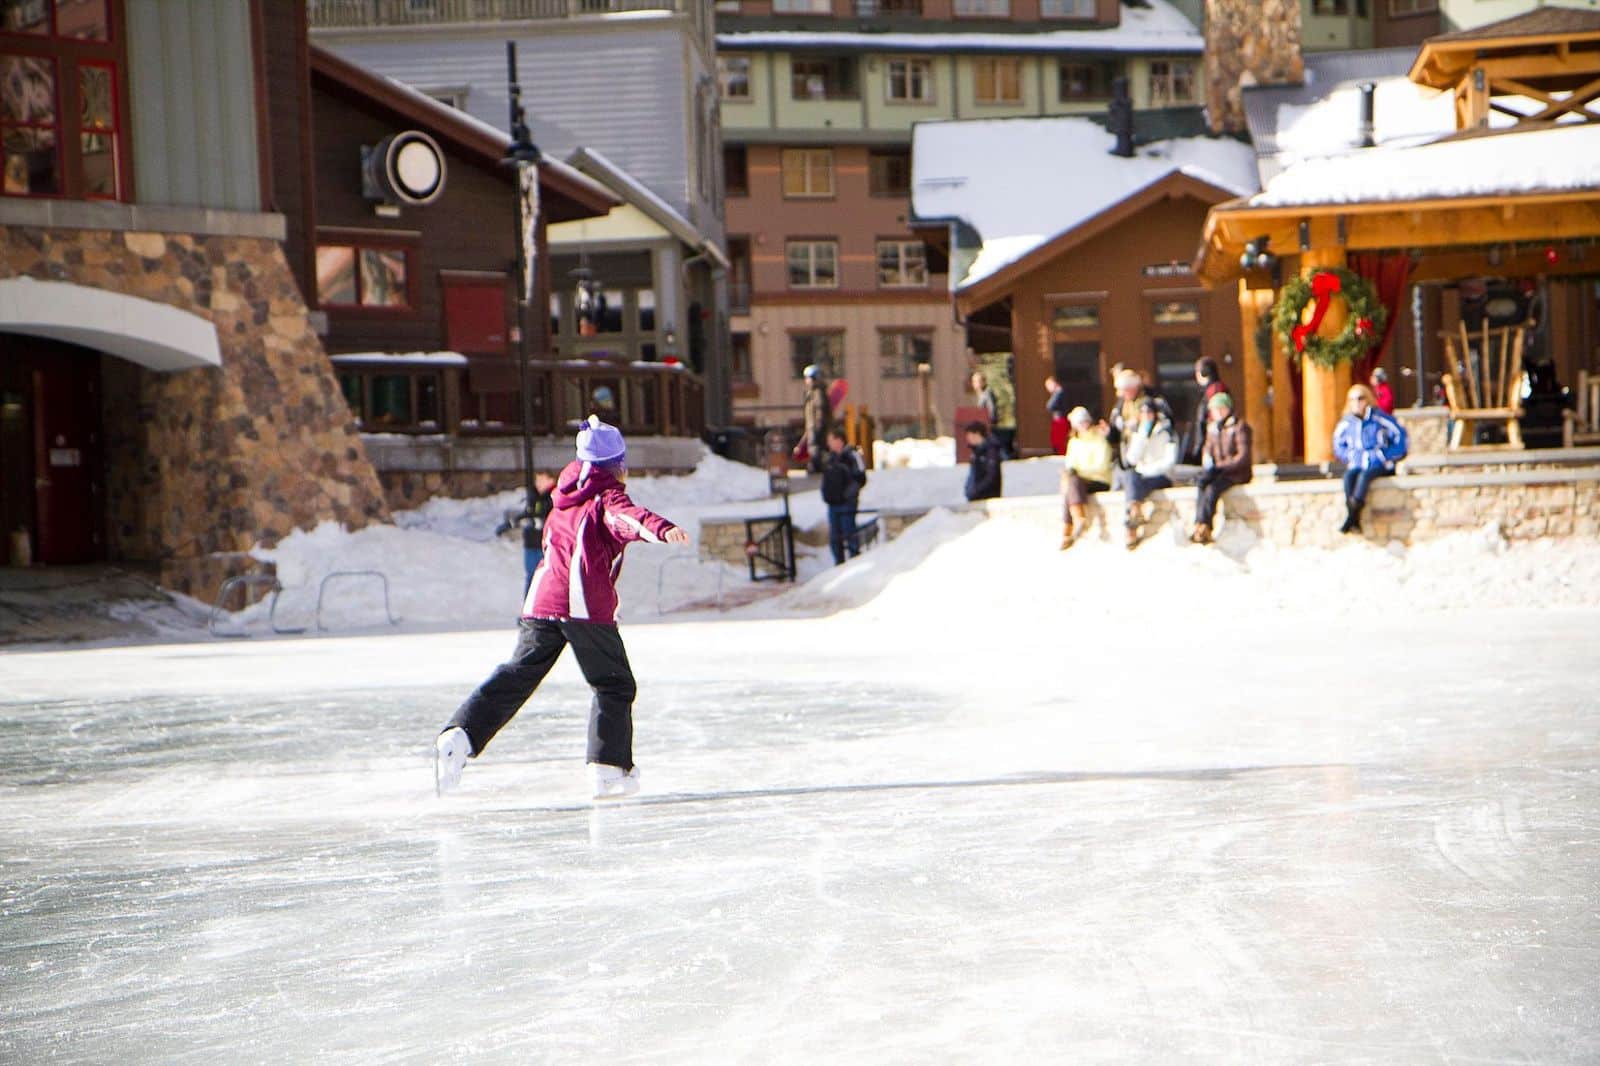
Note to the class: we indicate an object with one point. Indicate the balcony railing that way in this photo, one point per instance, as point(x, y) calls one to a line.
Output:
point(331, 14)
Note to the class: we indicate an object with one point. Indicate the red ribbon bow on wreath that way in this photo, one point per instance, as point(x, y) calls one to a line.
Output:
point(1323, 286)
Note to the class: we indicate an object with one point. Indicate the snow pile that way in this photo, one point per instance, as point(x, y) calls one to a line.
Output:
point(445, 567)
point(913, 452)
point(1023, 182)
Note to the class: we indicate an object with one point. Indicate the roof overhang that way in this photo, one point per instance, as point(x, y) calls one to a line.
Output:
point(1173, 186)
point(154, 335)
point(1401, 224)
point(1442, 61)
point(629, 190)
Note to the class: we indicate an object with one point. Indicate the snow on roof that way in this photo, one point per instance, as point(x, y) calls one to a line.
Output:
point(635, 192)
point(1404, 113)
point(1549, 159)
point(402, 358)
point(1022, 182)
point(1157, 28)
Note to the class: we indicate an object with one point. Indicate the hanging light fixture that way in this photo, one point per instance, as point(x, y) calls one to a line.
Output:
point(588, 302)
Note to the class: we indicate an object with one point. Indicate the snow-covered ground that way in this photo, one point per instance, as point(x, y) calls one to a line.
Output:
point(967, 799)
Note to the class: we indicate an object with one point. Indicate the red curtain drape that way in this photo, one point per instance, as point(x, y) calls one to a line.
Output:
point(1388, 272)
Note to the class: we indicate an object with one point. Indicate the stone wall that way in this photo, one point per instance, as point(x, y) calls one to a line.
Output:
point(725, 538)
point(1248, 42)
point(203, 464)
point(1527, 505)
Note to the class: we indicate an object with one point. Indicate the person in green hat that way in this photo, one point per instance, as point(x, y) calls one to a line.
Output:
point(1225, 462)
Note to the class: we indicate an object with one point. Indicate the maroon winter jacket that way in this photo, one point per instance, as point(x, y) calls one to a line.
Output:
point(584, 538)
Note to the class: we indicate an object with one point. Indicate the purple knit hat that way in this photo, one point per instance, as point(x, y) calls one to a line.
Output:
point(600, 444)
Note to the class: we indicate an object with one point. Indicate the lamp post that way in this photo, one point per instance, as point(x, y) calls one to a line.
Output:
point(524, 155)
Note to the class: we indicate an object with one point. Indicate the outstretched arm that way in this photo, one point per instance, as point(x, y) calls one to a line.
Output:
point(629, 522)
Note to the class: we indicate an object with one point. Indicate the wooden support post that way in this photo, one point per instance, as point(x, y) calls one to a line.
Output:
point(1255, 305)
point(1284, 414)
point(1324, 389)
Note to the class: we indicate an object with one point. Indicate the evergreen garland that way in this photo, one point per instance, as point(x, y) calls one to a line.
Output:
point(1361, 330)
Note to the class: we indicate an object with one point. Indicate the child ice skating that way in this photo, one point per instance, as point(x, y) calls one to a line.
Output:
point(572, 600)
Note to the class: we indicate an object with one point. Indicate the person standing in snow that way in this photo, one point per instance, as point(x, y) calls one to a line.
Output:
point(1227, 461)
point(1056, 406)
point(1369, 442)
point(842, 481)
point(1209, 378)
point(818, 417)
point(1382, 394)
point(531, 521)
point(573, 600)
point(983, 470)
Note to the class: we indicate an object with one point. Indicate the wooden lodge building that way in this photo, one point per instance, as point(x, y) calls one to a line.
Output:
point(1487, 230)
point(1073, 258)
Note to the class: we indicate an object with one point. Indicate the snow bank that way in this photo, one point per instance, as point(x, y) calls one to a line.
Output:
point(446, 568)
point(913, 452)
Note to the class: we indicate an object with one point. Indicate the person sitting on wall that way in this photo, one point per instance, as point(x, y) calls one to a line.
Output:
point(1123, 417)
point(1209, 378)
point(1085, 471)
point(983, 471)
point(842, 481)
point(1369, 443)
point(1225, 462)
point(1056, 406)
point(1383, 395)
point(1150, 453)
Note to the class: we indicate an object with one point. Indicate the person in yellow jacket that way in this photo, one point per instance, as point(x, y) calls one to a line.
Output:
point(1085, 471)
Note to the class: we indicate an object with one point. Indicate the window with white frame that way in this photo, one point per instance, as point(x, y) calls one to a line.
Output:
point(997, 80)
point(807, 172)
point(902, 264)
point(813, 264)
point(1171, 82)
point(902, 351)
point(1066, 9)
point(733, 76)
point(989, 8)
point(910, 80)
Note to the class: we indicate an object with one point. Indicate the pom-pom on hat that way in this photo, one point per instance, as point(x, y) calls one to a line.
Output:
point(600, 444)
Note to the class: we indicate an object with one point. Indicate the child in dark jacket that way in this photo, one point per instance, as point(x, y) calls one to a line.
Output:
point(572, 600)
point(983, 471)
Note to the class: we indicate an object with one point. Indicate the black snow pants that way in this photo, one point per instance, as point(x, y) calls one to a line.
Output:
point(604, 662)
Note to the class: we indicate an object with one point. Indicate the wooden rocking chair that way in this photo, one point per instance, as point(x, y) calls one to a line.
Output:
point(1483, 382)
point(1583, 425)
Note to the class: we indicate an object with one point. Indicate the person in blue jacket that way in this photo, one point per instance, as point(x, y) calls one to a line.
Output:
point(1369, 443)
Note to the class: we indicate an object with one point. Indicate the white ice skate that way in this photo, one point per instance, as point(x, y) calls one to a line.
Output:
point(450, 755)
point(612, 782)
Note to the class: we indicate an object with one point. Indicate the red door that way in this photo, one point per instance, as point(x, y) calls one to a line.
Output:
point(66, 449)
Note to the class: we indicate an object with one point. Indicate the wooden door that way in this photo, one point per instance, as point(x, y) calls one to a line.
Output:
point(66, 438)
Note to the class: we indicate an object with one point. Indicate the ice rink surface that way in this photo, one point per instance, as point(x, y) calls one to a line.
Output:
point(1177, 831)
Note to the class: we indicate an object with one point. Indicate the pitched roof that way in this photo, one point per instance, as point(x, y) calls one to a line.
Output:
point(1540, 22)
point(1029, 187)
point(633, 191)
point(584, 197)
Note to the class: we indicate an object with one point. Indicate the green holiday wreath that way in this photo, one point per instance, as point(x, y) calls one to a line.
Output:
point(1331, 316)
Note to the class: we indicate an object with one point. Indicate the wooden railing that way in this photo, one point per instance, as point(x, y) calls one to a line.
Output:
point(333, 14)
point(641, 399)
